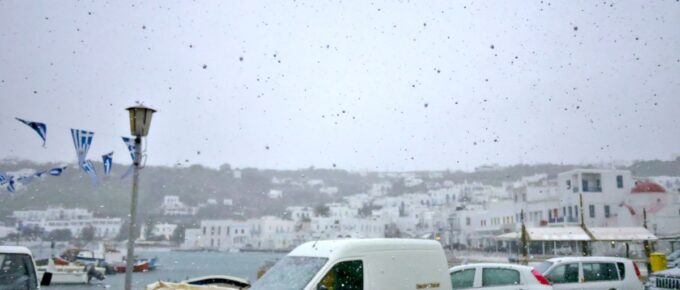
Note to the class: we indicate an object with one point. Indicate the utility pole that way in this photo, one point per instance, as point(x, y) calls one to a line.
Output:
point(647, 246)
point(584, 244)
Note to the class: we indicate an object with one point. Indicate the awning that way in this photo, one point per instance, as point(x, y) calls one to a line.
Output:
point(622, 234)
point(558, 234)
point(578, 234)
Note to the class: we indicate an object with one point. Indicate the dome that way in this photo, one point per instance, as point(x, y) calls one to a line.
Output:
point(647, 187)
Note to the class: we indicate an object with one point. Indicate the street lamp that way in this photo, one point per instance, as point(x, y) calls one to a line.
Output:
point(140, 120)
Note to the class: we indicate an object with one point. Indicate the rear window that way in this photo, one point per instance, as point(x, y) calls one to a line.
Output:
point(543, 267)
point(290, 273)
point(593, 272)
point(463, 279)
point(499, 277)
point(622, 270)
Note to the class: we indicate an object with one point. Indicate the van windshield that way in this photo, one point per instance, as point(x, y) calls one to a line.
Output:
point(16, 272)
point(291, 273)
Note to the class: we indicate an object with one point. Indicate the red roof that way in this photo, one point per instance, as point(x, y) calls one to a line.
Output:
point(647, 187)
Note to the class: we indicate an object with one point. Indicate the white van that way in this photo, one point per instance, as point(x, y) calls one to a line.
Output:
point(591, 273)
point(18, 270)
point(356, 264)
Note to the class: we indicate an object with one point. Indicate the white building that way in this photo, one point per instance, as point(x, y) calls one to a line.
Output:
point(164, 230)
point(275, 193)
point(172, 206)
point(224, 234)
point(300, 213)
point(74, 220)
point(192, 239)
point(271, 232)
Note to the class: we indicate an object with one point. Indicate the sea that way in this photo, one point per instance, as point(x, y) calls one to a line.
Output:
point(176, 266)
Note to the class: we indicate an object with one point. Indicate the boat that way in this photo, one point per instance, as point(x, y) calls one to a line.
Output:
point(71, 274)
point(212, 282)
point(138, 266)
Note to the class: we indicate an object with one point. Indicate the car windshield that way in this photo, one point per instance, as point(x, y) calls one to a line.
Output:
point(16, 272)
point(290, 273)
point(543, 267)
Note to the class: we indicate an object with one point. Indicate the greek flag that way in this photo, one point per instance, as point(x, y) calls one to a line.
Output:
point(39, 128)
point(81, 140)
point(57, 171)
point(3, 178)
point(89, 169)
point(130, 143)
point(107, 161)
point(10, 184)
point(40, 174)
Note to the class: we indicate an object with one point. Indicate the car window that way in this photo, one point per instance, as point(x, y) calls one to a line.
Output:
point(499, 277)
point(622, 270)
point(463, 279)
point(567, 273)
point(542, 267)
point(599, 272)
point(16, 272)
point(348, 275)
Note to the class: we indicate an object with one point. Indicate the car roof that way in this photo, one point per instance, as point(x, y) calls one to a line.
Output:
point(334, 249)
point(15, 250)
point(492, 265)
point(587, 259)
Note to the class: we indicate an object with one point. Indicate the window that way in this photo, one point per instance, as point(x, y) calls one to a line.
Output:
point(600, 272)
point(622, 270)
point(463, 279)
point(280, 276)
point(570, 213)
point(568, 184)
point(619, 181)
point(499, 277)
point(467, 221)
point(606, 211)
point(348, 275)
point(591, 209)
point(567, 273)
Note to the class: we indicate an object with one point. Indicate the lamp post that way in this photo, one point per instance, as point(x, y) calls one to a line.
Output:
point(140, 120)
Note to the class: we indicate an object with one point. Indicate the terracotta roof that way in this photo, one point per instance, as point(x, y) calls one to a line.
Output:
point(647, 187)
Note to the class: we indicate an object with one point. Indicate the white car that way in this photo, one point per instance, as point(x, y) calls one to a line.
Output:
point(591, 273)
point(497, 276)
point(18, 270)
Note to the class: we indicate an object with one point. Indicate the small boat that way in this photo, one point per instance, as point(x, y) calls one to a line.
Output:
point(213, 282)
point(71, 274)
point(138, 266)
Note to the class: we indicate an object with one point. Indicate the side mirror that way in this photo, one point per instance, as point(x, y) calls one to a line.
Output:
point(46, 279)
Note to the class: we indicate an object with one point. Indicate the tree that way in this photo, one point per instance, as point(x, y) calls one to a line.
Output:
point(87, 234)
point(322, 210)
point(178, 234)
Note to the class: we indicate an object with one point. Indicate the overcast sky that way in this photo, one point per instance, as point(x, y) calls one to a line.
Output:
point(393, 85)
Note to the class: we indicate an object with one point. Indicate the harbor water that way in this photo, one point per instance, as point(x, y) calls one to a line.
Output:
point(176, 266)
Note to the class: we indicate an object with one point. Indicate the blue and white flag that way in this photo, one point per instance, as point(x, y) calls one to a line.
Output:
point(3, 178)
point(57, 171)
point(107, 161)
point(39, 128)
point(81, 140)
point(10, 184)
point(89, 169)
point(130, 143)
point(40, 173)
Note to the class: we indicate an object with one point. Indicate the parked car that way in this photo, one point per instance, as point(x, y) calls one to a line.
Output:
point(591, 273)
point(18, 270)
point(497, 276)
point(663, 280)
point(673, 259)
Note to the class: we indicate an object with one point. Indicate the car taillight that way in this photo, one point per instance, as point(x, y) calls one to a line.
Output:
point(637, 270)
point(540, 277)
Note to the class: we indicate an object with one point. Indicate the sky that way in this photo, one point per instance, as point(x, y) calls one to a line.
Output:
point(359, 85)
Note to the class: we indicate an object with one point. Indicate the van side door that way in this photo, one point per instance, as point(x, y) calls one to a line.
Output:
point(564, 276)
point(600, 276)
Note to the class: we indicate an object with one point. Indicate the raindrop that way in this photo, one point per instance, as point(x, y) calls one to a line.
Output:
point(425, 105)
point(492, 46)
point(266, 147)
point(143, 26)
point(575, 28)
point(240, 58)
point(205, 66)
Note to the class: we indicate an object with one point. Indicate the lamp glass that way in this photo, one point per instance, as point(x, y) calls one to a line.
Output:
point(140, 120)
